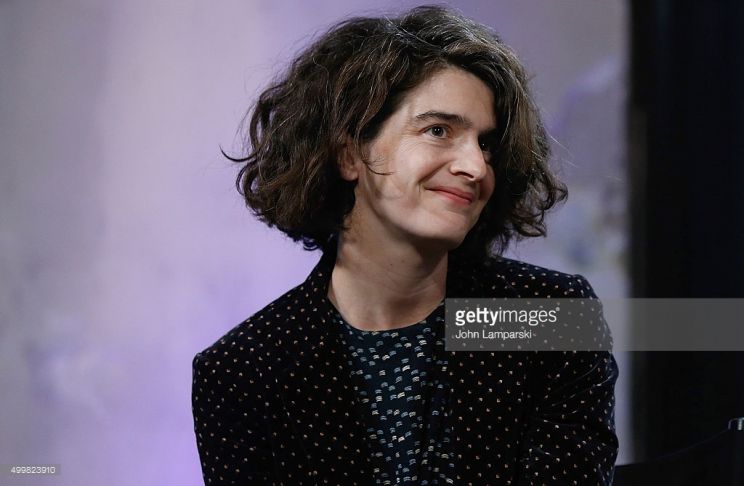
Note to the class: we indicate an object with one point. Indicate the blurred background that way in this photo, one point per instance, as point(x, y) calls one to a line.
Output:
point(125, 249)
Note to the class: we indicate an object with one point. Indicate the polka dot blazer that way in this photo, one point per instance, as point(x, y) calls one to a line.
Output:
point(273, 403)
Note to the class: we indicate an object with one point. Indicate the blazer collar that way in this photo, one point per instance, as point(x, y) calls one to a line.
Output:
point(317, 394)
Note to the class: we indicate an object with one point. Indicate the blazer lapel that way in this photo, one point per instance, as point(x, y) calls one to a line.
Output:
point(318, 396)
point(321, 406)
point(455, 421)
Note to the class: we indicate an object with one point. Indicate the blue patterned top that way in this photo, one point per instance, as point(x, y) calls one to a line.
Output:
point(391, 374)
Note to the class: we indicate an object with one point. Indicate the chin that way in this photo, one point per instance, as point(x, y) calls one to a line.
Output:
point(442, 232)
point(443, 240)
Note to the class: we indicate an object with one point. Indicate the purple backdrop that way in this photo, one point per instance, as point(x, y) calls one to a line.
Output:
point(125, 248)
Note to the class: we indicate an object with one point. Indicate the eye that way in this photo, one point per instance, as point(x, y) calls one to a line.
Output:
point(487, 144)
point(437, 131)
point(489, 149)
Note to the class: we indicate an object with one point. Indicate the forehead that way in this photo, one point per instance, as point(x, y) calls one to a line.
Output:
point(455, 91)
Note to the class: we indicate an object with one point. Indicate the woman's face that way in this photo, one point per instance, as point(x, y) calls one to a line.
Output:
point(435, 149)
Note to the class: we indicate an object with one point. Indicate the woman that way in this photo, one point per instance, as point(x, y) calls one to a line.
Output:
point(410, 152)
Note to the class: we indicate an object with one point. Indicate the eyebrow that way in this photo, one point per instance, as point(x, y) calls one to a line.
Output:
point(453, 118)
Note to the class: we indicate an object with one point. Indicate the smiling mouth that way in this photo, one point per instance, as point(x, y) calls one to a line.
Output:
point(454, 195)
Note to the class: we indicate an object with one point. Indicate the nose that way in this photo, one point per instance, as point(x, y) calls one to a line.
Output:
point(470, 161)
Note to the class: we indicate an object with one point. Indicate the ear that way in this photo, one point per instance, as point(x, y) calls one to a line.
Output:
point(348, 162)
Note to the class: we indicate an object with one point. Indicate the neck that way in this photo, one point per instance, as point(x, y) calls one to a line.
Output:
point(379, 285)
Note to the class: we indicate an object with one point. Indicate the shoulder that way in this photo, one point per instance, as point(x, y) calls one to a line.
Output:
point(500, 275)
point(265, 336)
point(533, 280)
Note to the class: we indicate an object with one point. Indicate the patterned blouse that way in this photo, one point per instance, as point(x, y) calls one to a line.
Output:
point(390, 372)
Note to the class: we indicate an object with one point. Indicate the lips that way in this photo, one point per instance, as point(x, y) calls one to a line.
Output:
point(455, 194)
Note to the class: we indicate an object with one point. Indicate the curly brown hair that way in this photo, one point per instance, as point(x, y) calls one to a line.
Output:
point(341, 89)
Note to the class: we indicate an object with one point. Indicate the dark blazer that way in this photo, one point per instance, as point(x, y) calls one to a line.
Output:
point(273, 404)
